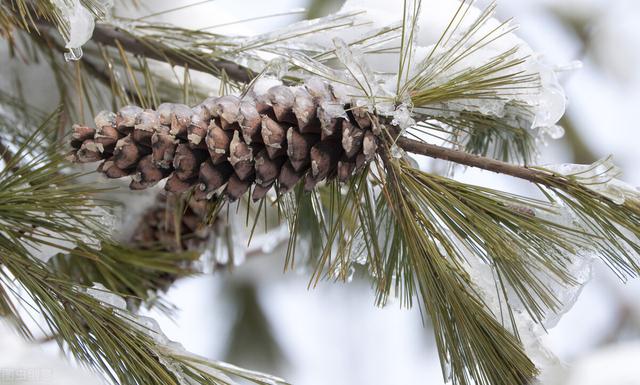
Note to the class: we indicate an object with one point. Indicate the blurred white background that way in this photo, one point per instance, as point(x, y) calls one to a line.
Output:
point(260, 318)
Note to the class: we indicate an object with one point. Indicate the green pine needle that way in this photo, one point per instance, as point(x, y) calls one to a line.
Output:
point(476, 347)
point(131, 272)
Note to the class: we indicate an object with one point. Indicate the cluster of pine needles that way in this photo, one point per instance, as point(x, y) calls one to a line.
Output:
point(414, 233)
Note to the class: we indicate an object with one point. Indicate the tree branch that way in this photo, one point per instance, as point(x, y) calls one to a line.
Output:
point(109, 35)
point(112, 36)
point(461, 157)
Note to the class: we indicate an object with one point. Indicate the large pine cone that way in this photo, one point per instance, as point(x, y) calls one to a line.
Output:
point(278, 138)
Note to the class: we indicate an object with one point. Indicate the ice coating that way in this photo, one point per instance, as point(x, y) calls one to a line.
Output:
point(529, 332)
point(79, 22)
point(546, 101)
point(357, 68)
point(102, 294)
point(174, 355)
point(579, 264)
point(151, 328)
point(262, 85)
point(599, 177)
point(53, 243)
point(371, 80)
point(555, 131)
point(402, 117)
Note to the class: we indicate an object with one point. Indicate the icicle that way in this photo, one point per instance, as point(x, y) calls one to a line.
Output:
point(79, 23)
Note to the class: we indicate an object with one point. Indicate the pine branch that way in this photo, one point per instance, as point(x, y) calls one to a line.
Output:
point(416, 231)
point(468, 159)
point(41, 206)
point(114, 36)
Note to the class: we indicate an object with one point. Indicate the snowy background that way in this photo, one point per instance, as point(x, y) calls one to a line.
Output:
point(259, 318)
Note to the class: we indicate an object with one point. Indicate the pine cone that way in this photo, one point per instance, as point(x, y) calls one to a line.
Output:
point(157, 227)
point(287, 135)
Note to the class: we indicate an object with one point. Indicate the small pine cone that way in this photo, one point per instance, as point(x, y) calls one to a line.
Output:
point(228, 145)
point(157, 228)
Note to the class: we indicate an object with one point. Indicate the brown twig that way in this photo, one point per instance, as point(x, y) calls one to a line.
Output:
point(109, 35)
point(467, 159)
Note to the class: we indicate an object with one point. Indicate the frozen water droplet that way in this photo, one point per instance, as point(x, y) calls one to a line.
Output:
point(396, 151)
point(73, 54)
point(78, 23)
point(350, 273)
point(402, 117)
point(554, 132)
